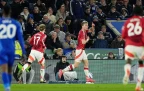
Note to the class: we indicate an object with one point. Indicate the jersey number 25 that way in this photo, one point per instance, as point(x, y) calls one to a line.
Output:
point(7, 31)
point(134, 29)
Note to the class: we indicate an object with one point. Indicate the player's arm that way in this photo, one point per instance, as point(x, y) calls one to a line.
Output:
point(20, 37)
point(124, 31)
point(43, 42)
point(31, 41)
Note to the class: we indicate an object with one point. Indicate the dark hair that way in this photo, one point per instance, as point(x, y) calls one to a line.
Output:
point(7, 10)
point(138, 10)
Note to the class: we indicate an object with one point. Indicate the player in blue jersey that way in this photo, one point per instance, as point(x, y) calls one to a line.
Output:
point(10, 30)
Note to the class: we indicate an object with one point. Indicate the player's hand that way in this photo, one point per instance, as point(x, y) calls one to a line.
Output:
point(87, 39)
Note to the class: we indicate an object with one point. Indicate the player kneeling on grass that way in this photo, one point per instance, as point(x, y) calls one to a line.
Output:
point(80, 53)
point(25, 76)
point(67, 76)
point(133, 33)
point(37, 53)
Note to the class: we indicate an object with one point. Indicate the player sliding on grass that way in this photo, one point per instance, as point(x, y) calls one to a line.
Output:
point(133, 33)
point(80, 53)
point(38, 47)
point(10, 30)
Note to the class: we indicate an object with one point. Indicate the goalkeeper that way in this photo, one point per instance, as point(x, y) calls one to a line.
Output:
point(23, 77)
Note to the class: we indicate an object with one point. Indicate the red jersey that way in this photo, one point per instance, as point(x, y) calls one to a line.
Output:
point(38, 42)
point(133, 31)
point(82, 35)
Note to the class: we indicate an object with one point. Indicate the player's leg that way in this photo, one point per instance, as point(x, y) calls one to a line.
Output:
point(31, 58)
point(78, 59)
point(86, 68)
point(129, 56)
point(5, 77)
point(24, 77)
point(140, 76)
point(127, 69)
point(68, 68)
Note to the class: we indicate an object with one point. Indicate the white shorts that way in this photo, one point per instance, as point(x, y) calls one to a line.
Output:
point(36, 55)
point(134, 52)
point(80, 55)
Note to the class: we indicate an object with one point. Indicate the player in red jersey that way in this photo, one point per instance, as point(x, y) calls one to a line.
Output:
point(37, 53)
point(133, 33)
point(80, 53)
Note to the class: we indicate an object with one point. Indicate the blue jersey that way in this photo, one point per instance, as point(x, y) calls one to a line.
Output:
point(10, 30)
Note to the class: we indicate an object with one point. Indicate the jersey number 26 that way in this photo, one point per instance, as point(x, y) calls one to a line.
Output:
point(134, 29)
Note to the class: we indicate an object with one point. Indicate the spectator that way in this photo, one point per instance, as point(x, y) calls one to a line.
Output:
point(30, 26)
point(22, 77)
point(103, 5)
point(76, 9)
point(118, 42)
point(26, 14)
point(41, 6)
point(23, 24)
point(100, 41)
point(24, 3)
point(27, 44)
point(61, 34)
point(115, 4)
point(93, 6)
point(36, 29)
point(97, 24)
point(69, 24)
point(68, 43)
point(63, 26)
point(113, 14)
point(71, 55)
point(101, 15)
point(127, 6)
point(16, 8)
point(59, 3)
point(88, 16)
point(48, 23)
point(62, 13)
point(49, 3)
point(67, 5)
point(2, 4)
point(124, 13)
point(106, 34)
point(92, 36)
point(58, 53)
point(37, 15)
point(50, 15)
point(111, 56)
point(67, 76)
point(53, 42)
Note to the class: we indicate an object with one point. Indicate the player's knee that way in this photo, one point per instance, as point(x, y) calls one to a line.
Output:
point(129, 61)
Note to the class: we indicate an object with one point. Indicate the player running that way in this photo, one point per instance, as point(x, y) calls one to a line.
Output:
point(10, 30)
point(133, 33)
point(80, 53)
point(38, 47)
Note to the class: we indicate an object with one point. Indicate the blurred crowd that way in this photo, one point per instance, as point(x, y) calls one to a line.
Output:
point(63, 21)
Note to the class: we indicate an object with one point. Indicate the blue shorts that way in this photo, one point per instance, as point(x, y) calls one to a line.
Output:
point(7, 58)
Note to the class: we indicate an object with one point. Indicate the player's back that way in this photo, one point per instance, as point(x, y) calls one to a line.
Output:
point(133, 31)
point(37, 41)
point(8, 33)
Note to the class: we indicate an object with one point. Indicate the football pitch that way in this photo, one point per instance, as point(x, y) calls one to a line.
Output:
point(71, 87)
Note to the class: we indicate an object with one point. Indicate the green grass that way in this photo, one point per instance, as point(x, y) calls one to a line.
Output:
point(71, 87)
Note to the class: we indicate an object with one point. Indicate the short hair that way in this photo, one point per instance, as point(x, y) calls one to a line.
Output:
point(138, 10)
point(7, 10)
point(42, 27)
point(84, 22)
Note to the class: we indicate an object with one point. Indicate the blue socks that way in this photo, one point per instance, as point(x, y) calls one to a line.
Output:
point(10, 78)
point(6, 81)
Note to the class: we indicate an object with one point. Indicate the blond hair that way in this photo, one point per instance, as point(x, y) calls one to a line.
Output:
point(42, 27)
point(84, 22)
